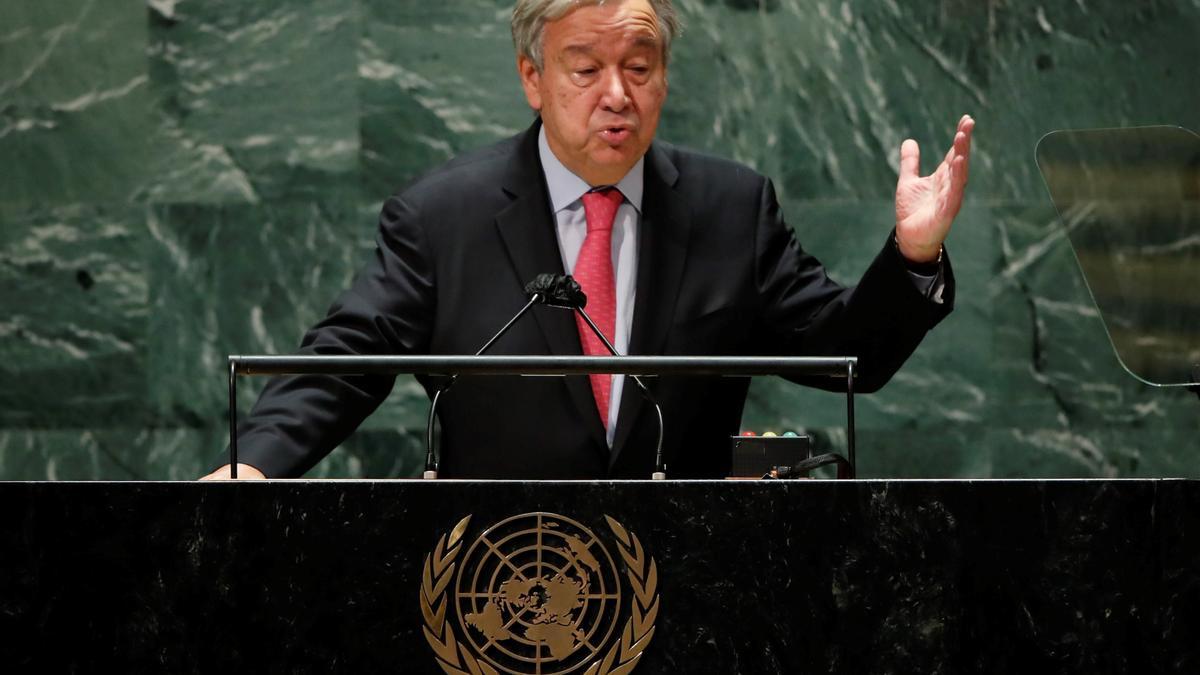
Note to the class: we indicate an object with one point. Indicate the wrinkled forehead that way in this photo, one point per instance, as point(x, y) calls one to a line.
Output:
point(585, 47)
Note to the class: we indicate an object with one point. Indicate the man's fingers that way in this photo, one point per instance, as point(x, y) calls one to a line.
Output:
point(962, 139)
point(958, 170)
point(910, 159)
point(960, 148)
point(965, 124)
point(957, 146)
point(956, 187)
point(967, 128)
point(961, 145)
point(945, 179)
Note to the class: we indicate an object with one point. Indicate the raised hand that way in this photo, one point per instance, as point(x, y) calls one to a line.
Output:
point(926, 205)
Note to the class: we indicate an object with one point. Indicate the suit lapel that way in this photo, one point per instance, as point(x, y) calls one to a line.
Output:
point(663, 235)
point(527, 229)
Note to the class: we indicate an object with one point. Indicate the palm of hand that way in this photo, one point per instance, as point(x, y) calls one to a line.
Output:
point(926, 205)
point(922, 217)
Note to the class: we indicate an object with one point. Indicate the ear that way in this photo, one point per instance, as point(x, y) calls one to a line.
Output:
point(531, 81)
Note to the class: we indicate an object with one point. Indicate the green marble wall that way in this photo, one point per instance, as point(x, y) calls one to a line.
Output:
point(183, 180)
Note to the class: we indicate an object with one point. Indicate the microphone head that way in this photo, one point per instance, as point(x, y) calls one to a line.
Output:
point(558, 290)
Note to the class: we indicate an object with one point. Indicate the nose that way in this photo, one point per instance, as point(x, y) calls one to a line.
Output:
point(615, 96)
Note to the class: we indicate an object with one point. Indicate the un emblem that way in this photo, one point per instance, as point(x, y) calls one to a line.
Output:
point(538, 593)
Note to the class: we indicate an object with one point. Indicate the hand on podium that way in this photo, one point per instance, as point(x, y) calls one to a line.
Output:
point(245, 472)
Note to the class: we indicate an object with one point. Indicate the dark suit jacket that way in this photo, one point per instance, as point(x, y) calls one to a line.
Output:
point(719, 273)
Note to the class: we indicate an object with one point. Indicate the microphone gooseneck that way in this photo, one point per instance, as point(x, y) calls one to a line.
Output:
point(660, 469)
point(563, 292)
point(431, 460)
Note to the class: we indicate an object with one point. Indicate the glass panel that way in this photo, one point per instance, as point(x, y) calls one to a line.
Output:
point(1130, 202)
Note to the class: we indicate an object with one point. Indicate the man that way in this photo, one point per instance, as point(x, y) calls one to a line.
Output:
point(678, 253)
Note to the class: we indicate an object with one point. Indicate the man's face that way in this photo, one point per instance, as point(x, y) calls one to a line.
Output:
point(601, 88)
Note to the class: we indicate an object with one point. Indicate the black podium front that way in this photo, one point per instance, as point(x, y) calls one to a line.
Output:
point(649, 577)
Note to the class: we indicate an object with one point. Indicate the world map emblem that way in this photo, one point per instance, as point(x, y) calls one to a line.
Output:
point(539, 594)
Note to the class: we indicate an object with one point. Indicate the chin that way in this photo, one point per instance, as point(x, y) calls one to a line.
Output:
point(615, 159)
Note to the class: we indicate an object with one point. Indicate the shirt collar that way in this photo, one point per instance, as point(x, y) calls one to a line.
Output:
point(566, 188)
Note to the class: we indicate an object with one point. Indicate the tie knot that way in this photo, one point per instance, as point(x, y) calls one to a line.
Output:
point(600, 207)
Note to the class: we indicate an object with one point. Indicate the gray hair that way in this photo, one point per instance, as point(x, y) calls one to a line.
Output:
point(530, 16)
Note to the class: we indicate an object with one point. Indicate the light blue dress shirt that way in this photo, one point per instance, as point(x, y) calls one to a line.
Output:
point(566, 202)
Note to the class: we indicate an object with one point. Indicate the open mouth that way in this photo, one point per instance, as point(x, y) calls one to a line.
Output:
point(615, 135)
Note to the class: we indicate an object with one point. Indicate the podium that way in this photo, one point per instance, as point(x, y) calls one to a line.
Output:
point(704, 576)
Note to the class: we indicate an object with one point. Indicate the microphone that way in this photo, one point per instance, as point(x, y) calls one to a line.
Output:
point(556, 290)
point(562, 291)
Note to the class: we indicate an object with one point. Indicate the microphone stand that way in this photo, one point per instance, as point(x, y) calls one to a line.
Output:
point(431, 463)
point(660, 469)
point(563, 292)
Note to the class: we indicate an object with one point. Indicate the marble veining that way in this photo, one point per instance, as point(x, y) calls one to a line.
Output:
point(185, 180)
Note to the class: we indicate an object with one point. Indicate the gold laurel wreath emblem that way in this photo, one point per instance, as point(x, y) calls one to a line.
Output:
point(622, 657)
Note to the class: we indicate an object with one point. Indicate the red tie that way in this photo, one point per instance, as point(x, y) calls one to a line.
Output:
point(594, 272)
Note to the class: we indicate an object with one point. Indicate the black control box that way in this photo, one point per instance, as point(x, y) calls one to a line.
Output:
point(756, 456)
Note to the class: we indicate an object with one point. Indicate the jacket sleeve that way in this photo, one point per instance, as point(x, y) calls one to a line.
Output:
point(881, 320)
point(389, 309)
